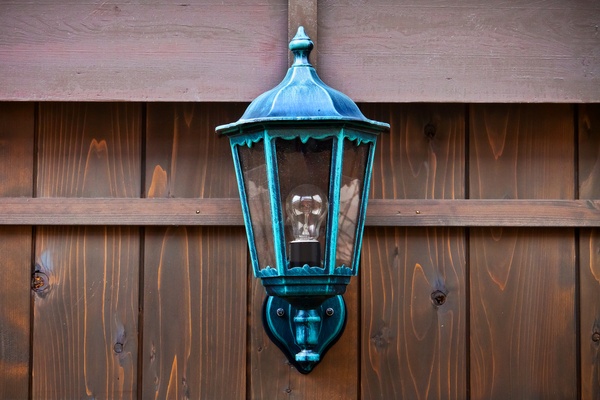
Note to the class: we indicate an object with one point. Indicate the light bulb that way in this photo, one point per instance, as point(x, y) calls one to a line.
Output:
point(306, 208)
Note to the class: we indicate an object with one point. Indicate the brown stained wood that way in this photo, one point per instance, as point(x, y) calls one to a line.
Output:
point(89, 150)
point(422, 156)
point(220, 211)
point(304, 13)
point(195, 297)
point(194, 313)
point(475, 51)
point(589, 250)
point(16, 179)
point(335, 377)
point(589, 326)
point(137, 51)
point(522, 281)
point(15, 294)
point(403, 333)
point(16, 149)
point(521, 151)
point(184, 155)
point(523, 326)
point(85, 341)
point(413, 347)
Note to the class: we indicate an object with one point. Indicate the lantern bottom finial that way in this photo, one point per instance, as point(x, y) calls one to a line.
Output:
point(304, 336)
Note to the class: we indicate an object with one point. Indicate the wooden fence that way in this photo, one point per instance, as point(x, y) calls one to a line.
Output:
point(122, 277)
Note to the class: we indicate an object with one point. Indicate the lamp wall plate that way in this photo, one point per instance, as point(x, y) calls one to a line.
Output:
point(319, 329)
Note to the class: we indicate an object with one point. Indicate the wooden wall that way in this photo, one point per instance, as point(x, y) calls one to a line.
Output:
point(491, 305)
point(543, 51)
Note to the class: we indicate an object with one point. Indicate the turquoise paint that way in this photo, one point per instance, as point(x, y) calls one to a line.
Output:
point(303, 107)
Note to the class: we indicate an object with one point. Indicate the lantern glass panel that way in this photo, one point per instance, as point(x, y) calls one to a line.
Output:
point(254, 170)
point(304, 173)
point(352, 184)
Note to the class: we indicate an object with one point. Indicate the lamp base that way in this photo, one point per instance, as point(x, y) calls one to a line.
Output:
point(304, 336)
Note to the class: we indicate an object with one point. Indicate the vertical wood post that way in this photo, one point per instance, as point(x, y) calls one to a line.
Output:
point(16, 174)
point(303, 13)
point(589, 250)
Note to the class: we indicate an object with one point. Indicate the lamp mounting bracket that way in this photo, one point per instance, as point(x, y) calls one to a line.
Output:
point(304, 336)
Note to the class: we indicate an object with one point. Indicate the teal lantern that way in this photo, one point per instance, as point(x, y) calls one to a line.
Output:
point(303, 155)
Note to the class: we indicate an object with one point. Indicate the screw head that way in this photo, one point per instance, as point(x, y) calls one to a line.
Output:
point(438, 297)
point(329, 312)
point(596, 337)
point(280, 312)
point(118, 347)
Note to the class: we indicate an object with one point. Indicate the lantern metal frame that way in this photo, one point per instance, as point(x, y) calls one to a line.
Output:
point(304, 312)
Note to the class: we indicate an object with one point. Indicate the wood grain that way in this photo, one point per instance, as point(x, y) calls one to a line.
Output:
point(85, 342)
point(411, 348)
point(422, 156)
point(16, 149)
point(16, 179)
point(375, 51)
point(227, 212)
point(195, 283)
point(522, 281)
point(523, 314)
point(184, 156)
point(475, 51)
point(589, 250)
point(194, 313)
point(521, 152)
point(304, 13)
point(89, 150)
point(137, 51)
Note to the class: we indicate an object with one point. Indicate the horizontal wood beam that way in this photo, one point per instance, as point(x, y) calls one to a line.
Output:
point(194, 212)
point(233, 50)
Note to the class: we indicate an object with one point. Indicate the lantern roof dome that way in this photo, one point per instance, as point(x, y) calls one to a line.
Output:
point(301, 96)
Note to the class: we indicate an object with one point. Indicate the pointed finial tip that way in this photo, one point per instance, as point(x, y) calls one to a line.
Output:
point(301, 42)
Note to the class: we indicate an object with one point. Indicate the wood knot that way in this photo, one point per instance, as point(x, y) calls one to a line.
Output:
point(39, 282)
point(429, 131)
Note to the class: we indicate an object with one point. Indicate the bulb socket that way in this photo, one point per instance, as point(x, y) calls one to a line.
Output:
point(305, 253)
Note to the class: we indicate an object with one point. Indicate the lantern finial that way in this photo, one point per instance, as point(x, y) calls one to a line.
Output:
point(301, 46)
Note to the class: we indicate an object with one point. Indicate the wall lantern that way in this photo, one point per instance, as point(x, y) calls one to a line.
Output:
point(303, 155)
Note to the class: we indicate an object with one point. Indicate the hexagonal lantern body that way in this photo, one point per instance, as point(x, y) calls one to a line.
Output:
point(303, 155)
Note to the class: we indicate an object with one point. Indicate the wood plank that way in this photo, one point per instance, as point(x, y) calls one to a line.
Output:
point(184, 156)
point(194, 313)
point(411, 347)
point(194, 278)
point(89, 150)
point(518, 309)
point(421, 157)
point(589, 250)
point(85, 342)
point(227, 212)
point(523, 305)
point(401, 51)
point(521, 152)
point(304, 13)
point(472, 51)
point(16, 149)
point(135, 51)
point(16, 179)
